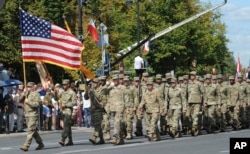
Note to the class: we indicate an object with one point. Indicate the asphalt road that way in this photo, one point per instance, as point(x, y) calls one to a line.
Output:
point(203, 144)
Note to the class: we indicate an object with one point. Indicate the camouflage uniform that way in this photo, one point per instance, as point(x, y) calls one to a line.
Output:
point(185, 121)
point(106, 115)
point(177, 104)
point(153, 104)
point(138, 114)
point(32, 103)
point(211, 97)
point(97, 98)
point(195, 93)
point(130, 98)
point(233, 104)
point(116, 98)
point(248, 101)
point(164, 118)
point(68, 100)
point(222, 106)
point(243, 100)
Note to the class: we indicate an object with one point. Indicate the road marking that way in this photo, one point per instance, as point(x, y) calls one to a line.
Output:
point(5, 148)
point(225, 151)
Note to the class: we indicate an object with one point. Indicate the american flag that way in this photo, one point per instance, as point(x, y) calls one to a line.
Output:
point(44, 41)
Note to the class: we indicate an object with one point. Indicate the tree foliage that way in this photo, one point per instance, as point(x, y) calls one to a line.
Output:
point(202, 40)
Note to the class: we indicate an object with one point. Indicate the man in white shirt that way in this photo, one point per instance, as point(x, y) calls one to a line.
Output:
point(138, 65)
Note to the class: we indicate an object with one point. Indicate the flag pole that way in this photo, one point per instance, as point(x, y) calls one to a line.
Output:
point(24, 74)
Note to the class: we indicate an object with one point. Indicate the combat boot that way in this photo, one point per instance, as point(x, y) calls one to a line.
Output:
point(24, 148)
point(93, 140)
point(129, 136)
point(70, 142)
point(106, 136)
point(120, 141)
point(114, 140)
point(101, 141)
point(61, 143)
point(40, 146)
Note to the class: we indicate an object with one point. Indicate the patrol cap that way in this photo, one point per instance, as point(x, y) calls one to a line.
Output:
point(168, 75)
point(164, 80)
point(115, 77)
point(30, 84)
point(173, 80)
point(219, 76)
point(185, 77)
point(145, 74)
point(208, 76)
point(65, 81)
point(180, 78)
point(192, 73)
point(150, 81)
point(158, 76)
point(136, 78)
point(126, 79)
point(214, 77)
point(121, 76)
point(231, 77)
point(95, 80)
point(102, 77)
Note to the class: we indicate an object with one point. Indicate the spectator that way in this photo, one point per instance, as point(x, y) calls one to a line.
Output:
point(138, 65)
point(79, 110)
point(10, 106)
point(86, 111)
point(2, 105)
point(19, 109)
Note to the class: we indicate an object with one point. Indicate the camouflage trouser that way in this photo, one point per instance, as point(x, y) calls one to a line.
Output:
point(118, 126)
point(128, 120)
point(194, 114)
point(186, 120)
point(163, 123)
point(97, 118)
point(174, 117)
point(243, 114)
point(67, 121)
point(153, 130)
point(210, 115)
point(221, 115)
point(248, 114)
point(139, 116)
point(32, 131)
point(106, 122)
point(233, 112)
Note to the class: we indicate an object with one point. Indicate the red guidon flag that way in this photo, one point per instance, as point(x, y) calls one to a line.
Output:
point(93, 31)
point(44, 41)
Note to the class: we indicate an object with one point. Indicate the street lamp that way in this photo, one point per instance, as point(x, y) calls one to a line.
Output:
point(130, 2)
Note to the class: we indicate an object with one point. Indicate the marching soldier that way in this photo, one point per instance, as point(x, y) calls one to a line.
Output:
point(67, 101)
point(97, 97)
point(106, 115)
point(243, 95)
point(131, 101)
point(117, 103)
point(153, 104)
point(211, 97)
point(233, 103)
point(138, 114)
point(177, 105)
point(195, 93)
point(32, 103)
point(222, 106)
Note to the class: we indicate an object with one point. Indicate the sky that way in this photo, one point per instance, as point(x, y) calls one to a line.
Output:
point(236, 16)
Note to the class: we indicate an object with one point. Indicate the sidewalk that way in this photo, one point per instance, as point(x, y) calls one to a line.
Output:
point(81, 129)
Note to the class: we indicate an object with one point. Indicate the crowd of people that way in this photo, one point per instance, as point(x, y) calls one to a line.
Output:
point(12, 118)
point(168, 106)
